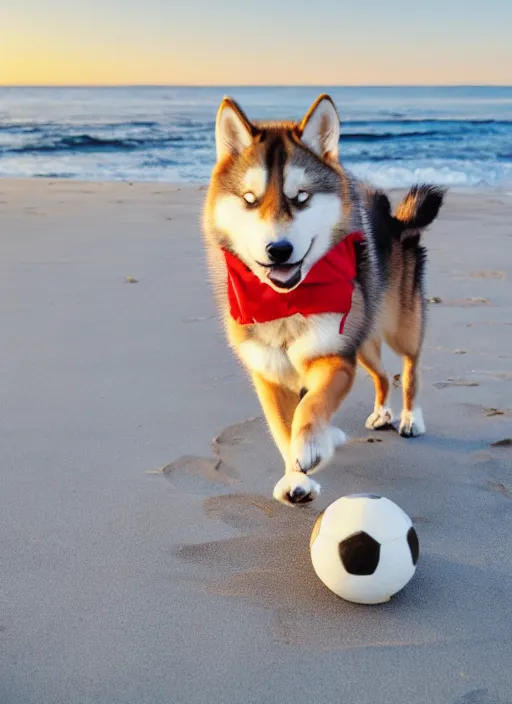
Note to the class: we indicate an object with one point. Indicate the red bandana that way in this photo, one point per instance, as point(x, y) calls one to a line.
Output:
point(327, 288)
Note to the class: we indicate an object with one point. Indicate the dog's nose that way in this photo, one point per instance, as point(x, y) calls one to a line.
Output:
point(279, 252)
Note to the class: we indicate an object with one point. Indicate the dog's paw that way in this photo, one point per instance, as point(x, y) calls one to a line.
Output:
point(412, 424)
point(296, 488)
point(380, 418)
point(313, 448)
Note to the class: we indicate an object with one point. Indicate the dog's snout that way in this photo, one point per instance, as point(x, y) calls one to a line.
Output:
point(279, 252)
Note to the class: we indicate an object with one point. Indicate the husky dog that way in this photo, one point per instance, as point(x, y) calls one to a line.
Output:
point(311, 271)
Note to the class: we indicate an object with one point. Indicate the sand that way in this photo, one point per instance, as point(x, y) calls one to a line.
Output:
point(143, 562)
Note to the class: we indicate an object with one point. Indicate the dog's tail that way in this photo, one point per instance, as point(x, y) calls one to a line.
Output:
point(418, 209)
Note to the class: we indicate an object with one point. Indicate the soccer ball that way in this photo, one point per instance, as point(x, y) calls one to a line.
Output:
point(364, 548)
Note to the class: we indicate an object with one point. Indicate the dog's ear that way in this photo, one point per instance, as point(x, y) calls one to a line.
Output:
point(233, 131)
point(320, 128)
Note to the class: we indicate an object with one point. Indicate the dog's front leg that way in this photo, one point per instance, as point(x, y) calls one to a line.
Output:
point(279, 405)
point(313, 442)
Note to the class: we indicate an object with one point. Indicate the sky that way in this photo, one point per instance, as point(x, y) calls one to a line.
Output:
point(261, 42)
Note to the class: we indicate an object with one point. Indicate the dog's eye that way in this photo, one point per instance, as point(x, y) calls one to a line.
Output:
point(301, 198)
point(250, 198)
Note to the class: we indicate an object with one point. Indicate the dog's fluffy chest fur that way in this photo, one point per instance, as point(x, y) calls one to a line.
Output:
point(280, 350)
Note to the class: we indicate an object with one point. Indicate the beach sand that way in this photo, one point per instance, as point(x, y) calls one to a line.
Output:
point(143, 562)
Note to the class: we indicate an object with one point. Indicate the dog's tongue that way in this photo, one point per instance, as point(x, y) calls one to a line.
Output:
point(281, 274)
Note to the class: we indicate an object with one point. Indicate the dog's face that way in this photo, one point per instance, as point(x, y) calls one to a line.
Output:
point(275, 195)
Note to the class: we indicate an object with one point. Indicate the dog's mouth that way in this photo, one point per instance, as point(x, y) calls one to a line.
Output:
point(286, 276)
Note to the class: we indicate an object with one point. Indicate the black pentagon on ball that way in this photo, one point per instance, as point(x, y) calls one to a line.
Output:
point(359, 554)
point(414, 544)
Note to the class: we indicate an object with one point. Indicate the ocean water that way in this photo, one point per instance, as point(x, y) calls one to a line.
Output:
point(461, 137)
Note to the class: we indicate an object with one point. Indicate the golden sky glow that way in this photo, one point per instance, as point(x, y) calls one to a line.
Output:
point(201, 42)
